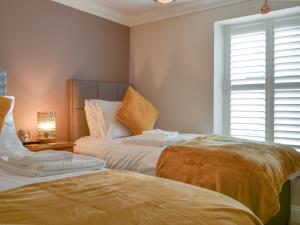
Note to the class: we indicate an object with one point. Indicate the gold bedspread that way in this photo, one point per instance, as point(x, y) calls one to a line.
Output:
point(250, 172)
point(120, 198)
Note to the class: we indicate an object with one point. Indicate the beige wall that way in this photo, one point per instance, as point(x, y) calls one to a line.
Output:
point(43, 44)
point(172, 64)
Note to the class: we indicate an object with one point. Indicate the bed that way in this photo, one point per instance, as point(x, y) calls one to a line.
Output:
point(137, 158)
point(114, 198)
point(104, 196)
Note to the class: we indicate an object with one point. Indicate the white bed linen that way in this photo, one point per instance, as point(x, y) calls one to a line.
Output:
point(137, 158)
point(121, 156)
point(154, 141)
point(29, 158)
point(10, 180)
point(77, 162)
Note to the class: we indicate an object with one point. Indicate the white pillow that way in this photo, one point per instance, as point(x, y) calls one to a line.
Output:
point(106, 116)
point(9, 140)
point(93, 114)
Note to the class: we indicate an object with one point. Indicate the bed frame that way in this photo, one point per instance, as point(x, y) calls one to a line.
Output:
point(85, 89)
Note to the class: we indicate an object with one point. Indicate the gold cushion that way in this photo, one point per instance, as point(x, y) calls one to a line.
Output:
point(5, 104)
point(136, 112)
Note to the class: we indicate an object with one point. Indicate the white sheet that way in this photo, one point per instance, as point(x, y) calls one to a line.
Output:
point(77, 162)
point(9, 180)
point(121, 156)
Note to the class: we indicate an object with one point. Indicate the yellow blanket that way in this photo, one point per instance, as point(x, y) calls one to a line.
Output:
point(250, 172)
point(120, 198)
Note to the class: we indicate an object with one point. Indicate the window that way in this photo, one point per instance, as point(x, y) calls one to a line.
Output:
point(262, 85)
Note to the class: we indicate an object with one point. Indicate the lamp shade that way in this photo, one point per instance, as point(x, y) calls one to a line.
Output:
point(46, 124)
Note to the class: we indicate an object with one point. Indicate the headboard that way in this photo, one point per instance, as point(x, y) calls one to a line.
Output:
point(86, 89)
point(2, 82)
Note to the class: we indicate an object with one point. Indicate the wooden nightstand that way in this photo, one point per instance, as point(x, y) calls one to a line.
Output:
point(58, 146)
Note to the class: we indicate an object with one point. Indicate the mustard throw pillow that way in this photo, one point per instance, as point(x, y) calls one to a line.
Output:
point(5, 104)
point(136, 112)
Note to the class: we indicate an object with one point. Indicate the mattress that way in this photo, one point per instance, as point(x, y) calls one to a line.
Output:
point(120, 156)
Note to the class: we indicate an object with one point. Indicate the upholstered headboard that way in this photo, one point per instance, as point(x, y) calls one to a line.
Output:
point(85, 89)
point(2, 82)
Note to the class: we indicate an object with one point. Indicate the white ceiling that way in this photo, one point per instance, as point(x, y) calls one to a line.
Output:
point(135, 12)
point(136, 7)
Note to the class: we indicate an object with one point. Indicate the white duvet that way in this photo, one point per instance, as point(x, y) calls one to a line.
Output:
point(10, 180)
point(122, 156)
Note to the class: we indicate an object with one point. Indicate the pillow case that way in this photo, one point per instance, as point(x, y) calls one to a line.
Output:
point(94, 119)
point(9, 140)
point(137, 113)
point(104, 113)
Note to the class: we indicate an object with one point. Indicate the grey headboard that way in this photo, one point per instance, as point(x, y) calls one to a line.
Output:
point(2, 82)
point(85, 89)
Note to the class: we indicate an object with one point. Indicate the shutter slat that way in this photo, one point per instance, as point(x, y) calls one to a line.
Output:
point(284, 53)
point(248, 63)
point(287, 128)
point(288, 59)
point(287, 134)
point(247, 108)
point(287, 46)
point(252, 133)
point(246, 126)
point(247, 38)
point(289, 141)
point(249, 137)
point(254, 69)
point(248, 52)
point(286, 32)
point(287, 66)
point(249, 57)
point(287, 39)
point(249, 45)
point(287, 73)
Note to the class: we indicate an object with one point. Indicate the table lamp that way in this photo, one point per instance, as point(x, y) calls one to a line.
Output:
point(46, 124)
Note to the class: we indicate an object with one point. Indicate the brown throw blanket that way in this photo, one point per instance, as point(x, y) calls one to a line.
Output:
point(250, 172)
point(120, 198)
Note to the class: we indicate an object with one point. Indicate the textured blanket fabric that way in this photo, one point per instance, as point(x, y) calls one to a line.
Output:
point(120, 198)
point(252, 173)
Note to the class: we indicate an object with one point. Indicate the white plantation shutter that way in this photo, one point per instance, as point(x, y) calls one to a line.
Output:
point(287, 81)
point(287, 117)
point(247, 82)
point(248, 116)
point(262, 86)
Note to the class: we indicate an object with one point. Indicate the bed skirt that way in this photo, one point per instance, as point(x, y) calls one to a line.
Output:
point(284, 215)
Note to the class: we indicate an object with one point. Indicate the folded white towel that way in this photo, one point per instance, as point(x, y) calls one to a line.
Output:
point(77, 164)
point(157, 133)
point(158, 142)
point(28, 158)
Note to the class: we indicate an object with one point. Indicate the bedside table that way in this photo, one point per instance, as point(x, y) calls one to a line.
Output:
point(58, 146)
